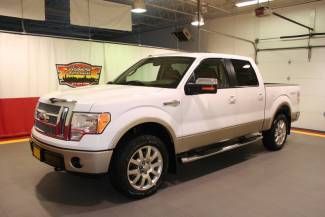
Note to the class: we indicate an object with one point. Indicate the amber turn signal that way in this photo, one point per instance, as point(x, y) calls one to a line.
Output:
point(103, 120)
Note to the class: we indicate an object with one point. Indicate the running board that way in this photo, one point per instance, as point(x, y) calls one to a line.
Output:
point(215, 151)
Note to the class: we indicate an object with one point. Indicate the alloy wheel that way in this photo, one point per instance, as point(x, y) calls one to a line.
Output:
point(280, 132)
point(145, 167)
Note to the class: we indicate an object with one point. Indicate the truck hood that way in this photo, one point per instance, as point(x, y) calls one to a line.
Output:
point(85, 97)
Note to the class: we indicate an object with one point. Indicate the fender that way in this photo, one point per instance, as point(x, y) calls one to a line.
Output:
point(132, 119)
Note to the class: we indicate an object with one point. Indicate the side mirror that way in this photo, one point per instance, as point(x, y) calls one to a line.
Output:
point(202, 86)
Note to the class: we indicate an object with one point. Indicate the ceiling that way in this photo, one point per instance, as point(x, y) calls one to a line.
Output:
point(160, 15)
point(166, 13)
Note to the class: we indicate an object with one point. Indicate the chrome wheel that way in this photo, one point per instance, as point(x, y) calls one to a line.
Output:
point(280, 132)
point(145, 168)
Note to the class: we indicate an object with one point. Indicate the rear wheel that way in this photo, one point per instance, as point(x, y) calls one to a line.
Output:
point(139, 166)
point(275, 138)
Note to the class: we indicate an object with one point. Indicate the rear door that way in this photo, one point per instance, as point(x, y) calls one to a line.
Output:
point(250, 97)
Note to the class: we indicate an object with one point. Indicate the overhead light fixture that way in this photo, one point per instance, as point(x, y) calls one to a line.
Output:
point(138, 7)
point(198, 20)
point(250, 2)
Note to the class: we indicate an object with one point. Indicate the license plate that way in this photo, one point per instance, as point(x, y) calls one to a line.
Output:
point(37, 152)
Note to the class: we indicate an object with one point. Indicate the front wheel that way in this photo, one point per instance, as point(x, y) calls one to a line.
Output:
point(139, 166)
point(275, 138)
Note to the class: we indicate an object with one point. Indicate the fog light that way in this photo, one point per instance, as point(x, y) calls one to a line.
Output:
point(75, 161)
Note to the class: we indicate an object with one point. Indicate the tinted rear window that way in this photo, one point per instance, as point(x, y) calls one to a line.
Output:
point(245, 73)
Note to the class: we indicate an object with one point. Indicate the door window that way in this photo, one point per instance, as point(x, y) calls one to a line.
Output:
point(245, 73)
point(212, 68)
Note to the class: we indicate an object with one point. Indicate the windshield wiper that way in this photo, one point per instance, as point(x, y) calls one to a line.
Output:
point(137, 83)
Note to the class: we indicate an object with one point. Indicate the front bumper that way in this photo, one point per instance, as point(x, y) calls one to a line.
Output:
point(94, 162)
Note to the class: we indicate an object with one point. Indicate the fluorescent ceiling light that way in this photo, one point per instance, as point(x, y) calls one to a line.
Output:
point(138, 10)
point(138, 7)
point(197, 22)
point(251, 2)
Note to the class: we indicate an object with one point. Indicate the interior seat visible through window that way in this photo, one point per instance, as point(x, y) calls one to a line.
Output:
point(206, 72)
point(245, 74)
point(213, 68)
point(171, 74)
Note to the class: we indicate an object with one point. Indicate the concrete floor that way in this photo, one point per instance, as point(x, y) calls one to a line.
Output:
point(246, 182)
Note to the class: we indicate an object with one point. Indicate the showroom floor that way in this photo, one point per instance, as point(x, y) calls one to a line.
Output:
point(246, 182)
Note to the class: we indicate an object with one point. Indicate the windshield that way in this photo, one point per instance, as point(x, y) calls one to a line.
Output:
point(164, 72)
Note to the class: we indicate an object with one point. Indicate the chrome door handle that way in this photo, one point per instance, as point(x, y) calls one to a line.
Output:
point(232, 100)
point(260, 97)
point(173, 103)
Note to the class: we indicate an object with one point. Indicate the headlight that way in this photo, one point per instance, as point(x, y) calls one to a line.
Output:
point(88, 123)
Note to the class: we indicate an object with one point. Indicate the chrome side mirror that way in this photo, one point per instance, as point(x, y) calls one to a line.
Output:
point(202, 86)
point(207, 81)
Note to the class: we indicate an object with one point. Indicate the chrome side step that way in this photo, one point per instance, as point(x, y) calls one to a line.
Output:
point(196, 157)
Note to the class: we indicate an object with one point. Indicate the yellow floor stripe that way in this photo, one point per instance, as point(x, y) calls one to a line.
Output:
point(308, 133)
point(14, 141)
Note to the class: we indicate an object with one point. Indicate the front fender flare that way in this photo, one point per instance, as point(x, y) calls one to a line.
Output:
point(130, 118)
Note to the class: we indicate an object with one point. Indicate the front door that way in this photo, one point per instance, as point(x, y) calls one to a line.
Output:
point(208, 118)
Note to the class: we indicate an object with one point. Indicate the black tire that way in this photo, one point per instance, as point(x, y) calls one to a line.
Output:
point(120, 164)
point(269, 137)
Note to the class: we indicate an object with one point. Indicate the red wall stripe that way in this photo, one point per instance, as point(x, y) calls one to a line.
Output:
point(16, 116)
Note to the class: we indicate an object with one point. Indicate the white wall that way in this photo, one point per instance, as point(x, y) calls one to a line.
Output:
point(28, 63)
point(289, 66)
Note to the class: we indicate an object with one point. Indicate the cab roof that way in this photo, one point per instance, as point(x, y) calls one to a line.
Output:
point(203, 55)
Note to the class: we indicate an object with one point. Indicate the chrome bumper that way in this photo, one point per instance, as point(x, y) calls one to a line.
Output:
point(94, 162)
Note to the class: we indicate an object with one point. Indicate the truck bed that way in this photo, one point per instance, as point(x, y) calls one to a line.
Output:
point(276, 93)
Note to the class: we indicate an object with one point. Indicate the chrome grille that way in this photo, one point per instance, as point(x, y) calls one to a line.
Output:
point(44, 128)
point(62, 122)
point(49, 108)
point(50, 119)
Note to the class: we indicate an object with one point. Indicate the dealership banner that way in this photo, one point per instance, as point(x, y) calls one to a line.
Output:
point(78, 74)
point(32, 66)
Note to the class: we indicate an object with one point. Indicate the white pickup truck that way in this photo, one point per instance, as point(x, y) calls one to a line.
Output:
point(164, 109)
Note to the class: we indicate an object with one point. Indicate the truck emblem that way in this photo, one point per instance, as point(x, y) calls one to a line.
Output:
point(78, 74)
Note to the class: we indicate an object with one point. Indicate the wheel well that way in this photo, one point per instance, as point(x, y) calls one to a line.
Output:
point(285, 109)
point(158, 130)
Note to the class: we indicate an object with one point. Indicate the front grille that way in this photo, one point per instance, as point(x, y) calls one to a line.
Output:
point(51, 120)
point(44, 128)
point(54, 109)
